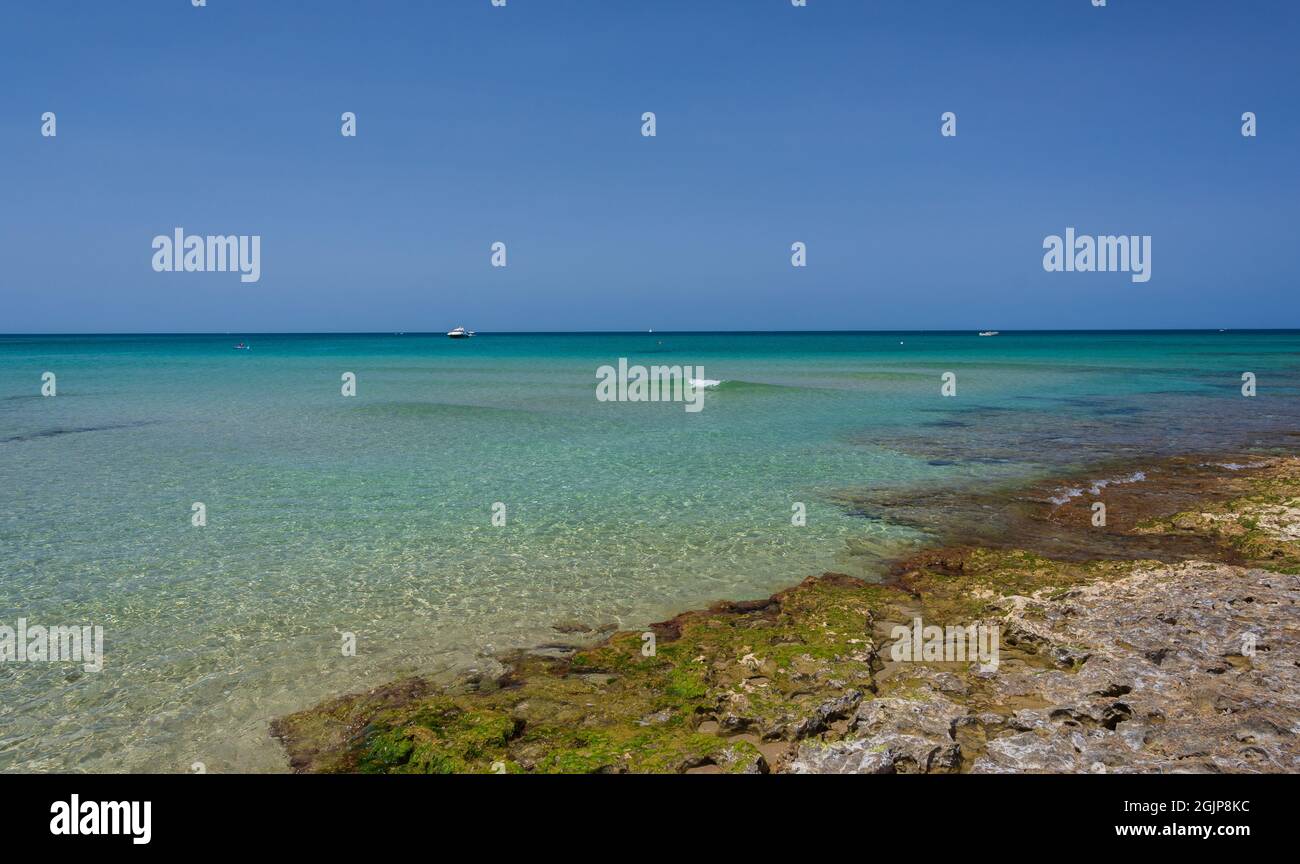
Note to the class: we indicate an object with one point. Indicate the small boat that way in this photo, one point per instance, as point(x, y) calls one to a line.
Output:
point(988, 332)
point(460, 333)
point(242, 347)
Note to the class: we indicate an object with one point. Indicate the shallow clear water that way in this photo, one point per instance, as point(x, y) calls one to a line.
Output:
point(373, 514)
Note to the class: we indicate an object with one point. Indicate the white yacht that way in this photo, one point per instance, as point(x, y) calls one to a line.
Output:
point(460, 333)
point(988, 332)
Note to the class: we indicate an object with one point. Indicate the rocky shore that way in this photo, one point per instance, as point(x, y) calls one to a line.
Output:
point(1160, 637)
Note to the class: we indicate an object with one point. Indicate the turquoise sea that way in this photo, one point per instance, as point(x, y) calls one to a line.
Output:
point(372, 514)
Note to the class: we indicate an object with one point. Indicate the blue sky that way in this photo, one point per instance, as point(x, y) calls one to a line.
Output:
point(522, 124)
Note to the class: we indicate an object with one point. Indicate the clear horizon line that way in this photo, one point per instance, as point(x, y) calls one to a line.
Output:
point(646, 332)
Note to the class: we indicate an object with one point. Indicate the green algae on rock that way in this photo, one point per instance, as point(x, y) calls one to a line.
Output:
point(1260, 526)
point(756, 672)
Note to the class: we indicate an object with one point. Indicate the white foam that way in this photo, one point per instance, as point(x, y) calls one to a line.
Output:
point(1135, 477)
point(1065, 493)
point(1235, 466)
point(1065, 496)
